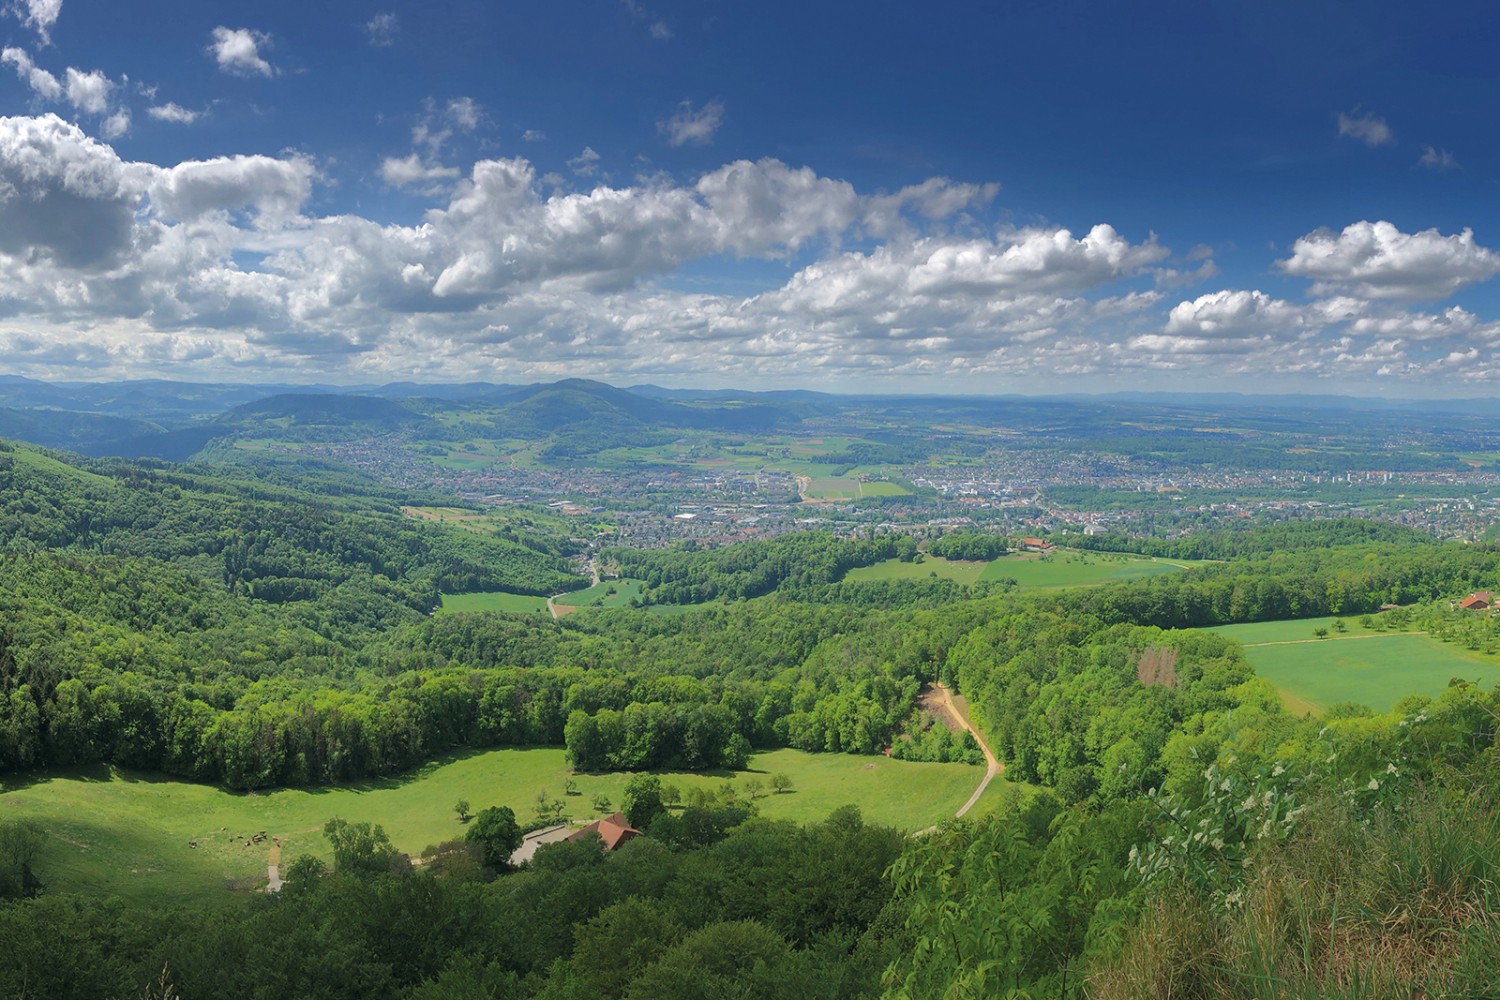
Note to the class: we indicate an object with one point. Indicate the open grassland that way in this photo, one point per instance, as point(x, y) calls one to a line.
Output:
point(597, 596)
point(495, 600)
point(458, 517)
point(894, 569)
point(849, 487)
point(1069, 568)
point(1370, 667)
point(604, 594)
point(882, 488)
point(25, 458)
point(124, 833)
point(1299, 629)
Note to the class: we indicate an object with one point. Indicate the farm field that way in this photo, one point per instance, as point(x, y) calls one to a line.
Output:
point(895, 569)
point(850, 487)
point(1370, 667)
point(1068, 568)
point(605, 594)
point(115, 832)
point(1296, 629)
point(496, 600)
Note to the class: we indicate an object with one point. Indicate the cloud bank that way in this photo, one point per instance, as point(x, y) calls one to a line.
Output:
point(221, 267)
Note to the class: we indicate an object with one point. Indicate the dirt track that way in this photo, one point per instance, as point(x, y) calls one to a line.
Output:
point(992, 765)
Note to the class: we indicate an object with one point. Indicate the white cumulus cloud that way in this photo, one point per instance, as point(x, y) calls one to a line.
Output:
point(1230, 315)
point(64, 197)
point(41, 82)
point(1377, 260)
point(88, 91)
point(173, 112)
point(407, 171)
point(275, 188)
point(40, 15)
point(237, 51)
point(222, 266)
point(116, 125)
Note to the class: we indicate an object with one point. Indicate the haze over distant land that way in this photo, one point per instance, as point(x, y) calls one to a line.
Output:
point(856, 198)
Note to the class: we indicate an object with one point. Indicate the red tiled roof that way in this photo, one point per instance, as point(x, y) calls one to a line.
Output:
point(613, 830)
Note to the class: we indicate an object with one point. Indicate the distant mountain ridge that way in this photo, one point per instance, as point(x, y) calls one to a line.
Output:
point(576, 417)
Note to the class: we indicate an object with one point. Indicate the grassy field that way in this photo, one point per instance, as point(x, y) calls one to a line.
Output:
point(117, 832)
point(1295, 630)
point(578, 600)
point(497, 600)
point(599, 596)
point(851, 487)
point(458, 517)
point(1370, 667)
point(1065, 568)
point(895, 569)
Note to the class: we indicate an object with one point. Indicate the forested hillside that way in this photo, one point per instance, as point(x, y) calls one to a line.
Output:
point(1168, 820)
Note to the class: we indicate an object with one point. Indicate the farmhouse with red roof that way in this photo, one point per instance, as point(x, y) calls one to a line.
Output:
point(613, 830)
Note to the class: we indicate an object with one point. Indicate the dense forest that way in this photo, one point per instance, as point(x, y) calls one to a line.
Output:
point(1171, 828)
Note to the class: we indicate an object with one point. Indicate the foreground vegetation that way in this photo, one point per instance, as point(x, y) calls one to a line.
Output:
point(180, 639)
point(146, 839)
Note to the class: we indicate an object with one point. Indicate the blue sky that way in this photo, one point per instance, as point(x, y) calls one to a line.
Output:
point(1048, 196)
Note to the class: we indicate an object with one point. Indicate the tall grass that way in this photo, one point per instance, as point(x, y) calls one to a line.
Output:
point(1402, 903)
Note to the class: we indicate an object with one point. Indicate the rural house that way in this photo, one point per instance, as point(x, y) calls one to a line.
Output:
point(1480, 600)
point(613, 830)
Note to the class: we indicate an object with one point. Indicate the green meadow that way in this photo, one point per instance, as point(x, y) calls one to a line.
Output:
point(116, 832)
point(604, 594)
point(930, 566)
point(1069, 568)
point(597, 596)
point(1063, 568)
point(850, 487)
point(1360, 665)
point(496, 600)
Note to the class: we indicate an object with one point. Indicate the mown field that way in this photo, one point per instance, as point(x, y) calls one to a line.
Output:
point(127, 834)
point(1067, 568)
point(894, 569)
point(851, 487)
point(1361, 665)
point(605, 594)
point(497, 600)
point(1064, 568)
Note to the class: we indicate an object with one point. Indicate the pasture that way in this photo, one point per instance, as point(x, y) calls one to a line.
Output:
point(604, 594)
point(1073, 568)
point(114, 832)
point(1360, 665)
point(894, 569)
point(495, 600)
point(849, 487)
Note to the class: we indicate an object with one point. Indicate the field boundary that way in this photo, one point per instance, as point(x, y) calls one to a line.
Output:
point(1330, 638)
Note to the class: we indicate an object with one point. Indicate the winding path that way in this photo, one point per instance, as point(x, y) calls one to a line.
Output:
point(992, 765)
point(273, 868)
